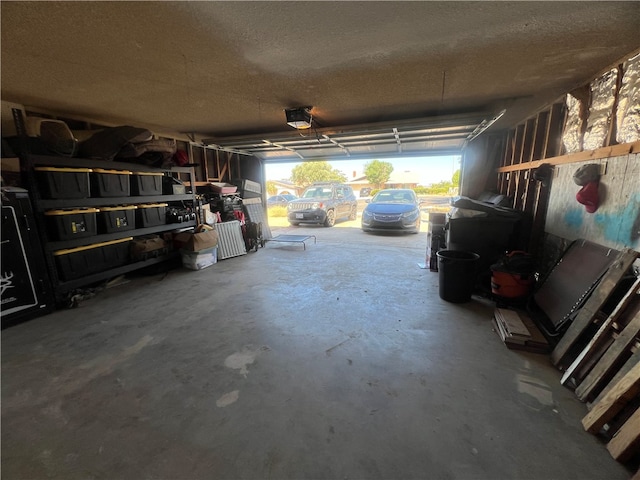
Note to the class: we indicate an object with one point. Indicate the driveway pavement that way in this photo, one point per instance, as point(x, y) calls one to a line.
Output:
point(349, 232)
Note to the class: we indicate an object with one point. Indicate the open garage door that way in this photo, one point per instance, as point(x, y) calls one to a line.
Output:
point(446, 135)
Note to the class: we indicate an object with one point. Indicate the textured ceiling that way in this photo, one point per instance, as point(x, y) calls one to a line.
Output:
point(223, 69)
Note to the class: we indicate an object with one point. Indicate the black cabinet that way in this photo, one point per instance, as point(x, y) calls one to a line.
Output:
point(24, 283)
point(66, 224)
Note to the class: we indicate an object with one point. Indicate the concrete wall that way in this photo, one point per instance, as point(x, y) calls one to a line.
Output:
point(616, 223)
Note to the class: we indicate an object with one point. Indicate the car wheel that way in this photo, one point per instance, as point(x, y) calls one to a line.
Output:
point(354, 213)
point(331, 219)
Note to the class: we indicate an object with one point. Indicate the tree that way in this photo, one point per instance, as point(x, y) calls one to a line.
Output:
point(310, 172)
point(271, 188)
point(378, 172)
point(455, 179)
point(440, 188)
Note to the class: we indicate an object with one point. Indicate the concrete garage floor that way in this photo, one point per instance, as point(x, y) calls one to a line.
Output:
point(335, 362)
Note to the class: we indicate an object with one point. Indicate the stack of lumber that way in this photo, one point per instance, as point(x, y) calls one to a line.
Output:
point(518, 331)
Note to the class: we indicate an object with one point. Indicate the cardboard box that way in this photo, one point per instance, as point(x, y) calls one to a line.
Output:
point(209, 216)
point(201, 259)
point(149, 246)
point(196, 242)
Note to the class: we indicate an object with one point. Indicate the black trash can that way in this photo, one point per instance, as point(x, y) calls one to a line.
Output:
point(456, 274)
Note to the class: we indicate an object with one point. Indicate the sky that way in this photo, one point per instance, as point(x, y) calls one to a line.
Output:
point(429, 169)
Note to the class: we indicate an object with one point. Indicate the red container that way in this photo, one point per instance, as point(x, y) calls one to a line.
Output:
point(512, 276)
point(511, 285)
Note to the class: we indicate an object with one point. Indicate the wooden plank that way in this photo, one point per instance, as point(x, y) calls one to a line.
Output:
point(600, 334)
point(539, 217)
point(626, 368)
point(223, 170)
point(527, 143)
point(626, 441)
point(540, 136)
point(511, 320)
point(501, 183)
point(613, 402)
point(591, 307)
point(533, 342)
point(521, 184)
point(208, 153)
point(517, 149)
point(530, 193)
point(553, 143)
point(511, 182)
point(508, 151)
point(609, 359)
point(604, 152)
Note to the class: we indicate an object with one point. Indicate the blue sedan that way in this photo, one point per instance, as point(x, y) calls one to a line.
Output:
point(280, 200)
point(392, 210)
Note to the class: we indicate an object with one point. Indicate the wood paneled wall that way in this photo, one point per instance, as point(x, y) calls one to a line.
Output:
point(538, 141)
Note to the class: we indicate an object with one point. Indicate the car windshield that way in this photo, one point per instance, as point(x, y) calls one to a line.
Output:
point(394, 196)
point(317, 192)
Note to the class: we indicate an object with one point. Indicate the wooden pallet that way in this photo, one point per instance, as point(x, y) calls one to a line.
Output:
point(606, 335)
point(616, 355)
point(625, 442)
point(589, 311)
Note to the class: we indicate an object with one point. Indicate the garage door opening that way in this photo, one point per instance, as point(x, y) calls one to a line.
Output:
point(433, 179)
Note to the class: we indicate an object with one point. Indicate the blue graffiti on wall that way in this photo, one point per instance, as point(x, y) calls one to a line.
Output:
point(573, 217)
point(624, 226)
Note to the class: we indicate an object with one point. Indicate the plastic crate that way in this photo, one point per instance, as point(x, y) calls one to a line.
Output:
point(110, 183)
point(151, 214)
point(200, 259)
point(70, 224)
point(116, 219)
point(146, 183)
point(79, 262)
point(248, 188)
point(60, 182)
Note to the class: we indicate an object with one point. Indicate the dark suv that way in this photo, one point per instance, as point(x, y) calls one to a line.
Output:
point(323, 203)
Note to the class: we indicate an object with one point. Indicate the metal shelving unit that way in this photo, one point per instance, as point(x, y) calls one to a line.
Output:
point(62, 288)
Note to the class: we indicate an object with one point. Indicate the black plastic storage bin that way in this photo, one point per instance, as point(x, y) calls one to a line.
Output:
point(457, 272)
point(62, 182)
point(151, 214)
point(110, 183)
point(70, 224)
point(82, 261)
point(116, 219)
point(146, 183)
